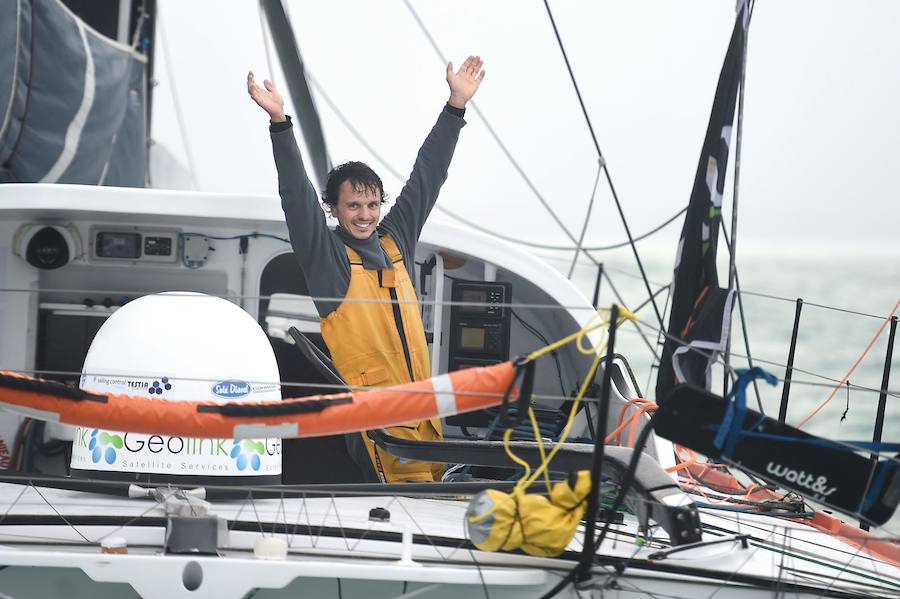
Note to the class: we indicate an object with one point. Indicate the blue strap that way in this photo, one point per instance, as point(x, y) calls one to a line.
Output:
point(729, 431)
point(876, 447)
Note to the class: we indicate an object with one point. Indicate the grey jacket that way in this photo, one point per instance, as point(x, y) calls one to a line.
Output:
point(320, 249)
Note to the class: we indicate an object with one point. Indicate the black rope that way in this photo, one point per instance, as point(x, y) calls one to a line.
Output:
point(605, 169)
point(298, 406)
point(586, 561)
point(554, 354)
point(56, 388)
point(525, 370)
point(593, 504)
point(635, 323)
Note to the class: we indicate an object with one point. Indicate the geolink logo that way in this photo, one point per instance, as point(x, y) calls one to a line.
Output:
point(246, 452)
point(157, 387)
point(103, 446)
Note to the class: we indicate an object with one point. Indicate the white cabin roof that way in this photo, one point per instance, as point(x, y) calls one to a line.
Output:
point(40, 202)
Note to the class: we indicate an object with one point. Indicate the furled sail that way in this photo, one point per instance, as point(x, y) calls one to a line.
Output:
point(71, 100)
point(700, 318)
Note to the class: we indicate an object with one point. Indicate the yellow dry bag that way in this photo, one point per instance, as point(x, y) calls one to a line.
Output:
point(538, 525)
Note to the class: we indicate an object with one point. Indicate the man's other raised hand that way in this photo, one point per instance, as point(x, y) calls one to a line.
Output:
point(464, 82)
point(268, 99)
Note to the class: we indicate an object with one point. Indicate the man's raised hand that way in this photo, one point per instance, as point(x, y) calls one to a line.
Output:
point(268, 99)
point(464, 82)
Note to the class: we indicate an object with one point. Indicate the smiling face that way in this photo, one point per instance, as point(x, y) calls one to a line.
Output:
point(357, 210)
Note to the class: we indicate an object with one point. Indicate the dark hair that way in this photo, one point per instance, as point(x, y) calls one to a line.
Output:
point(360, 176)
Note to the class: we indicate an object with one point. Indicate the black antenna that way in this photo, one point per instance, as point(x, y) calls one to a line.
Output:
point(605, 169)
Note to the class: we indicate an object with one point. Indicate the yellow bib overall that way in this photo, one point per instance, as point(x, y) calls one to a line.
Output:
point(382, 343)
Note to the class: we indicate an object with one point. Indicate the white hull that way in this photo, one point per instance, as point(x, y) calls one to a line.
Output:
point(332, 539)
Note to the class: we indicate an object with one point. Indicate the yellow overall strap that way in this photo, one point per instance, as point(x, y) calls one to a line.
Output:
point(382, 343)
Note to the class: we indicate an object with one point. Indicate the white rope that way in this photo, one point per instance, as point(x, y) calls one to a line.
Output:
point(76, 125)
point(15, 74)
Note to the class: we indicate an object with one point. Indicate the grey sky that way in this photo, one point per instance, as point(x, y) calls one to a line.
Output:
point(821, 116)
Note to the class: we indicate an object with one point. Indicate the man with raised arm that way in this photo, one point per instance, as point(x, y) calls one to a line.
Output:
point(371, 343)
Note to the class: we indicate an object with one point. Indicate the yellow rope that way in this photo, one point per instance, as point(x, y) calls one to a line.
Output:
point(529, 477)
point(513, 456)
point(540, 444)
point(569, 338)
point(526, 480)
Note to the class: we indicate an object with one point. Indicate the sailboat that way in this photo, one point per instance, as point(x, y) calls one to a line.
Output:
point(80, 254)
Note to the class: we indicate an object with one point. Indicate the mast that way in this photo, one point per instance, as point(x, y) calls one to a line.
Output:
point(294, 72)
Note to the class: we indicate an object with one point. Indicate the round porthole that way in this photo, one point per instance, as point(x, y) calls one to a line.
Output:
point(48, 249)
point(192, 576)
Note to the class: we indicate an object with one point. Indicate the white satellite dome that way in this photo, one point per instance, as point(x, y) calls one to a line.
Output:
point(180, 346)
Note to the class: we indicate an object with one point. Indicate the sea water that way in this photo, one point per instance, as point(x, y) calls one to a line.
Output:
point(863, 280)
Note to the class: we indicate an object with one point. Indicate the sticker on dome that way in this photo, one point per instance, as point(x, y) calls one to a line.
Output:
point(231, 389)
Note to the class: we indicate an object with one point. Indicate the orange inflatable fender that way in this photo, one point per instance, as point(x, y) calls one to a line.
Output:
point(445, 395)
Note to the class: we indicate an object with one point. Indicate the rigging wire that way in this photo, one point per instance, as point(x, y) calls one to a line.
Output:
point(565, 248)
point(330, 492)
point(631, 275)
point(640, 324)
point(732, 247)
point(314, 83)
point(490, 128)
point(623, 272)
point(399, 176)
point(751, 555)
point(895, 393)
point(635, 322)
point(643, 304)
point(555, 355)
point(335, 507)
point(587, 219)
point(641, 237)
point(237, 296)
point(659, 339)
point(806, 303)
point(853, 367)
point(891, 392)
point(737, 287)
point(769, 296)
point(642, 439)
point(605, 168)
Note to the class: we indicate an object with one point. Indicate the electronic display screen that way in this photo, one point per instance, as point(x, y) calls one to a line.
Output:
point(471, 338)
point(478, 296)
point(115, 244)
point(157, 246)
